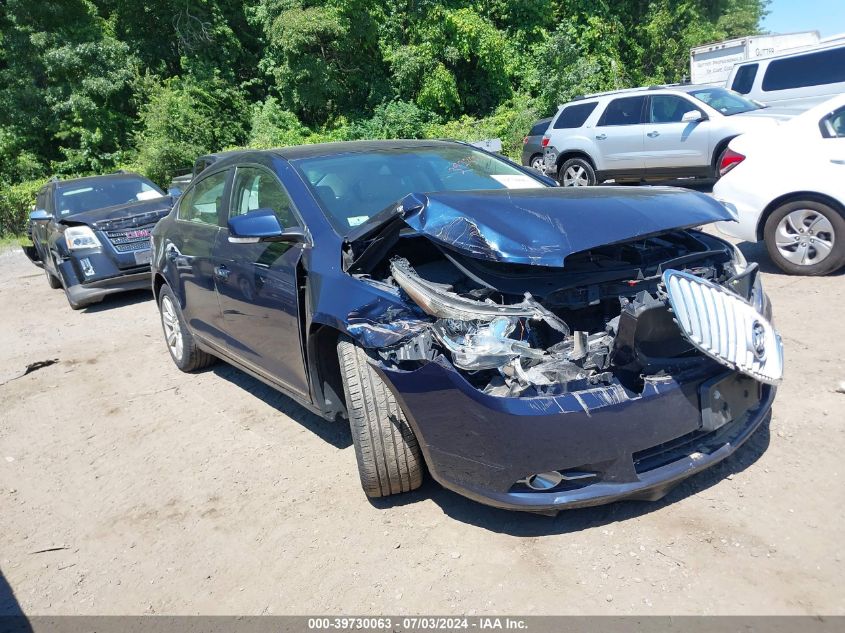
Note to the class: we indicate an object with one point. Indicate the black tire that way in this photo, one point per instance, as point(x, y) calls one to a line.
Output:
point(389, 457)
point(73, 304)
point(191, 357)
point(812, 211)
point(54, 282)
point(536, 162)
point(576, 170)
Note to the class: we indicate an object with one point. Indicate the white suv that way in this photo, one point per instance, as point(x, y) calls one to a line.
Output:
point(655, 133)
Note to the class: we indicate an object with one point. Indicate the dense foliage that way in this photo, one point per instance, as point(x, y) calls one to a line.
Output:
point(93, 85)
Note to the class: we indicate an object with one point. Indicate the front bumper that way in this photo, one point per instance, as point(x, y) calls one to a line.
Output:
point(90, 275)
point(639, 447)
point(94, 292)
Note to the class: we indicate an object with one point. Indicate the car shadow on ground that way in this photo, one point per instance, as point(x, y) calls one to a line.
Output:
point(12, 617)
point(335, 433)
point(529, 525)
point(119, 300)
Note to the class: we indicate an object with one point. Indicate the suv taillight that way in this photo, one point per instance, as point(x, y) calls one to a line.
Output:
point(730, 160)
point(545, 141)
point(525, 141)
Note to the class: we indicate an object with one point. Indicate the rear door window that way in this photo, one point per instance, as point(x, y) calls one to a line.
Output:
point(744, 80)
point(575, 115)
point(202, 203)
point(624, 111)
point(812, 69)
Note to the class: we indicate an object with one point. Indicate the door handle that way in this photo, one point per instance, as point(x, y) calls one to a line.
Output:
point(221, 272)
point(838, 161)
point(601, 137)
point(654, 134)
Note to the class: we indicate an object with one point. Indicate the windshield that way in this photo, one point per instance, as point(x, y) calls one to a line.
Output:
point(725, 101)
point(108, 192)
point(353, 187)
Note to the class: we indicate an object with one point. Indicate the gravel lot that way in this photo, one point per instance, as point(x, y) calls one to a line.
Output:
point(160, 492)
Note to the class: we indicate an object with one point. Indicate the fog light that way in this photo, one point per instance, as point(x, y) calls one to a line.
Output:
point(544, 481)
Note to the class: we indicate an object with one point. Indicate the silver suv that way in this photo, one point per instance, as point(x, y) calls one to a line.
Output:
point(655, 133)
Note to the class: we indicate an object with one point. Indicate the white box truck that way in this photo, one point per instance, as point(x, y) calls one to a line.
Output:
point(712, 63)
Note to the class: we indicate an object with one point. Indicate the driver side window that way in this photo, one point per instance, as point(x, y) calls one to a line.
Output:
point(669, 109)
point(256, 188)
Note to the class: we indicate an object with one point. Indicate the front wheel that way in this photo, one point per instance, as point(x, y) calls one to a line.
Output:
point(806, 237)
point(54, 282)
point(180, 342)
point(577, 172)
point(389, 457)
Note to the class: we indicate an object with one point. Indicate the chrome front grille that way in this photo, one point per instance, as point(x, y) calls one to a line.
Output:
point(130, 239)
point(725, 327)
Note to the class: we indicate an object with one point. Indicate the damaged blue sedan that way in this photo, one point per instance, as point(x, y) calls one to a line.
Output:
point(532, 348)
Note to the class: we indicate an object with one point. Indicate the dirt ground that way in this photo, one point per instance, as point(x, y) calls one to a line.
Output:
point(160, 492)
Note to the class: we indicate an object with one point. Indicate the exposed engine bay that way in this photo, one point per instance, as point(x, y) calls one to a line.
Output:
point(603, 318)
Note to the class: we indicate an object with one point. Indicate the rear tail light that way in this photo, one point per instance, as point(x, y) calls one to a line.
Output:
point(545, 141)
point(525, 141)
point(730, 160)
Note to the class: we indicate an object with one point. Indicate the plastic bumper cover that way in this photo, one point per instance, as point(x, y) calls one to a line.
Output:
point(86, 294)
point(480, 446)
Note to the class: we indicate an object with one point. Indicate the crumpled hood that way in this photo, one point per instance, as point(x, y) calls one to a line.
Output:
point(128, 210)
point(543, 226)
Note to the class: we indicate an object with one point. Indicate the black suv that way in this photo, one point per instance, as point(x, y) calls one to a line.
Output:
point(92, 235)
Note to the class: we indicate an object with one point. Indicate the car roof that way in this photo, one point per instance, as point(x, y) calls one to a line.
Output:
point(314, 150)
point(639, 90)
point(75, 182)
point(818, 48)
point(343, 147)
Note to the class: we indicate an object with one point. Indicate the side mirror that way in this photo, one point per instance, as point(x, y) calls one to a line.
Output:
point(693, 116)
point(174, 192)
point(262, 225)
point(40, 215)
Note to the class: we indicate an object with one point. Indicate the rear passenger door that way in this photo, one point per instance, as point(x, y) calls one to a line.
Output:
point(199, 218)
point(619, 135)
point(669, 142)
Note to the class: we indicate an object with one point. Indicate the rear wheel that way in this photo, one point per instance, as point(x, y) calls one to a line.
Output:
point(180, 343)
point(577, 172)
point(806, 237)
point(389, 457)
point(536, 162)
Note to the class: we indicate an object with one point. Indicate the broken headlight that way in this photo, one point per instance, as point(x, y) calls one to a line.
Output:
point(477, 346)
point(79, 237)
point(439, 301)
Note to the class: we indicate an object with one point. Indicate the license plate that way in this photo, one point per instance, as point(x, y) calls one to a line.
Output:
point(724, 399)
point(143, 257)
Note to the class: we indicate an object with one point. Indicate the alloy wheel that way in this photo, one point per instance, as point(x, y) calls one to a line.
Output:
point(804, 237)
point(575, 176)
point(172, 328)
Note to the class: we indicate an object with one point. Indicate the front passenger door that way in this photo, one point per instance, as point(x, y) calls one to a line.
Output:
point(257, 285)
point(671, 143)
